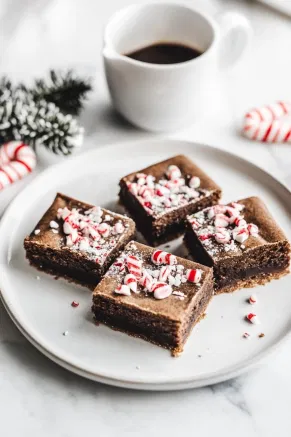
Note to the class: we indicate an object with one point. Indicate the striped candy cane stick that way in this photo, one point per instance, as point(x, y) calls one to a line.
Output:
point(16, 161)
point(265, 124)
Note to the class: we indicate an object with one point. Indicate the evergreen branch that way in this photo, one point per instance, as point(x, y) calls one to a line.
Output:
point(36, 123)
point(66, 91)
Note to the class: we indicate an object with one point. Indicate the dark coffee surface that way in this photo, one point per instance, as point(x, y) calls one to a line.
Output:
point(165, 53)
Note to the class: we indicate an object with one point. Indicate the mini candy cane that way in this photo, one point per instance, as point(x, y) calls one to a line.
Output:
point(16, 161)
point(161, 257)
point(193, 275)
point(134, 265)
point(131, 281)
point(265, 124)
point(162, 290)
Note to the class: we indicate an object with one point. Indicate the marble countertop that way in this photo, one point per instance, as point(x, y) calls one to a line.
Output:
point(37, 397)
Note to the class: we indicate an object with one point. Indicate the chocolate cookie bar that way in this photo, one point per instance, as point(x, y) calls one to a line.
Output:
point(241, 241)
point(153, 295)
point(160, 197)
point(77, 240)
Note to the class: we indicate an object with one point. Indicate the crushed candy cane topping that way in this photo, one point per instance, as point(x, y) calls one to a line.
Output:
point(173, 191)
point(90, 232)
point(159, 276)
point(222, 224)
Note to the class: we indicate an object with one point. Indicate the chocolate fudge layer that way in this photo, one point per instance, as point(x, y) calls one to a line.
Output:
point(77, 240)
point(160, 197)
point(153, 295)
point(241, 241)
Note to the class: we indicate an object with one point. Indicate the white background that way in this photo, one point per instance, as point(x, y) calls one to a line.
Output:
point(37, 398)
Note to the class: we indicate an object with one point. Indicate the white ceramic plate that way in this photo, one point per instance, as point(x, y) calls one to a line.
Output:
point(41, 308)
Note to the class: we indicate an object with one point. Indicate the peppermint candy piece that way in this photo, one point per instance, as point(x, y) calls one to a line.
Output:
point(162, 290)
point(131, 281)
point(53, 224)
point(145, 191)
point(122, 289)
point(240, 234)
point(118, 228)
point(233, 213)
point(173, 172)
point(195, 224)
point(211, 213)
point(161, 257)
point(253, 229)
point(194, 275)
point(253, 318)
point(239, 222)
point(164, 273)
point(246, 335)
point(204, 237)
point(133, 188)
point(134, 265)
point(222, 236)
point(237, 206)
point(194, 182)
point(253, 300)
point(104, 229)
point(146, 280)
point(221, 221)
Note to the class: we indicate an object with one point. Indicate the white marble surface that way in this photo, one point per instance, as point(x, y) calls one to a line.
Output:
point(36, 396)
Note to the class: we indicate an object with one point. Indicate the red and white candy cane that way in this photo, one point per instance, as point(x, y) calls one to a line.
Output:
point(16, 161)
point(161, 257)
point(134, 265)
point(265, 124)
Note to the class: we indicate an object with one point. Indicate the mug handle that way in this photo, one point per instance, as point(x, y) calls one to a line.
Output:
point(236, 35)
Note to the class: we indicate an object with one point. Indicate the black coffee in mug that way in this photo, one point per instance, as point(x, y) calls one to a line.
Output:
point(165, 53)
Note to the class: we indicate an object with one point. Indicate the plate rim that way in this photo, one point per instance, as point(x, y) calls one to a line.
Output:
point(176, 384)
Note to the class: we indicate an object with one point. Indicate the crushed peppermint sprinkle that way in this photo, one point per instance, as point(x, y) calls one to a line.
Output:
point(253, 318)
point(253, 299)
point(160, 280)
point(53, 224)
point(222, 224)
point(179, 294)
point(37, 231)
point(168, 193)
point(246, 335)
point(75, 304)
point(89, 231)
point(65, 333)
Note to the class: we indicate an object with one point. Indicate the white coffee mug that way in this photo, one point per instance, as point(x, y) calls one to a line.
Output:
point(166, 97)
